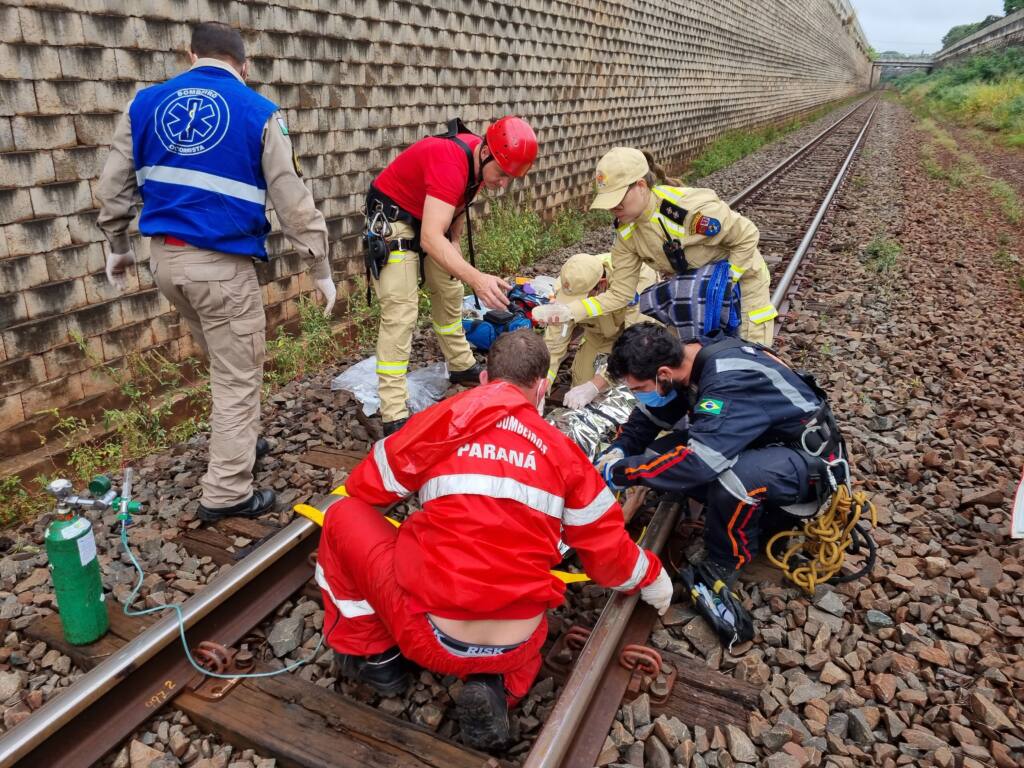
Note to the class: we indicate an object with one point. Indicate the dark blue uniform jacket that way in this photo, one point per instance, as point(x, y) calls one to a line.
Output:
point(744, 398)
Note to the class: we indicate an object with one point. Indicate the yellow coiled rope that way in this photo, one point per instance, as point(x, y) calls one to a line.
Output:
point(824, 541)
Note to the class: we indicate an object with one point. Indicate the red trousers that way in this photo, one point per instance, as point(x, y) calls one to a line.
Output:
point(366, 611)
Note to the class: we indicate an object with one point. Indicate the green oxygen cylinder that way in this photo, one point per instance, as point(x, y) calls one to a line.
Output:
point(71, 548)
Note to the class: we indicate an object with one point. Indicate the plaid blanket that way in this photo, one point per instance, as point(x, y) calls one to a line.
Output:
point(695, 302)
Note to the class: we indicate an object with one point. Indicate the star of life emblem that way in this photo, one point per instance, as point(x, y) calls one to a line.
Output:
point(192, 120)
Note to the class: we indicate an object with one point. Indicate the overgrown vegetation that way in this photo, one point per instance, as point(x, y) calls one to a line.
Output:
point(154, 388)
point(985, 92)
point(294, 355)
point(513, 234)
point(734, 145)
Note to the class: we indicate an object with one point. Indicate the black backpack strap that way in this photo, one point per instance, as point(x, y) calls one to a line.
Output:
point(455, 127)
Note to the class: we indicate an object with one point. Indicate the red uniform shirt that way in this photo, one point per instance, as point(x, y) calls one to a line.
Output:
point(432, 166)
point(499, 487)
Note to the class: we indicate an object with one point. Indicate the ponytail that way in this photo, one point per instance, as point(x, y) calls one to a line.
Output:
point(657, 173)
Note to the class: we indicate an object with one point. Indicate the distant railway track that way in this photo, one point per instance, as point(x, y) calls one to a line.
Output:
point(139, 667)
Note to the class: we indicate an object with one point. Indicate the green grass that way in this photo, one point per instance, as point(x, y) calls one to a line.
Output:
point(881, 255)
point(1008, 199)
point(735, 145)
point(513, 235)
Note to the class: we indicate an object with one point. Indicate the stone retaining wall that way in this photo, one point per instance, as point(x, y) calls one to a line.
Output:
point(358, 79)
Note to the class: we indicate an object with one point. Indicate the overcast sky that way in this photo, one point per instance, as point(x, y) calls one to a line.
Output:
point(912, 26)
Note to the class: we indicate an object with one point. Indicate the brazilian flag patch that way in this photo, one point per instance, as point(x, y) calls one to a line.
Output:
point(714, 407)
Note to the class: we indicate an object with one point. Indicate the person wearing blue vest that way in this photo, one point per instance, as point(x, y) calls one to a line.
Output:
point(205, 152)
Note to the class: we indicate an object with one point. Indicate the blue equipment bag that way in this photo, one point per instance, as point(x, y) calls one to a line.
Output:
point(482, 333)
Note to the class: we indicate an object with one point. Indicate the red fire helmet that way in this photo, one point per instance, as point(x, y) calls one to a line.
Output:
point(513, 144)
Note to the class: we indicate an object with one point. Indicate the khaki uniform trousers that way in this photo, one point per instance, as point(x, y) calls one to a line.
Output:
point(219, 297)
point(398, 294)
point(599, 335)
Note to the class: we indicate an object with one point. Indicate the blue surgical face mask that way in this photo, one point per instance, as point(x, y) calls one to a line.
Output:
point(654, 399)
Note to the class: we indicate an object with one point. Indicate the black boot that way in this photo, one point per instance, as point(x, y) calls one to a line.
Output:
point(470, 376)
point(385, 672)
point(482, 711)
point(262, 447)
point(261, 502)
point(390, 427)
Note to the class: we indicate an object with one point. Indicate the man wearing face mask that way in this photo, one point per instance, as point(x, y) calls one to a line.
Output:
point(747, 435)
point(205, 153)
point(463, 586)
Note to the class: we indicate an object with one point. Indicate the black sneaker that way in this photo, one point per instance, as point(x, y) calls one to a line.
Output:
point(469, 376)
point(390, 427)
point(482, 711)
point(385, 672)
point(261, 502)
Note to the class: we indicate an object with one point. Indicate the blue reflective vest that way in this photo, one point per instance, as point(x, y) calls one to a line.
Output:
point(197, 141)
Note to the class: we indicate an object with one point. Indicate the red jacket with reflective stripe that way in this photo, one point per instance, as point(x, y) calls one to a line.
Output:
point(499, 487)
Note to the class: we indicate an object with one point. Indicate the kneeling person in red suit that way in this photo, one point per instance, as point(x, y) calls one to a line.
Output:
point(462, 588)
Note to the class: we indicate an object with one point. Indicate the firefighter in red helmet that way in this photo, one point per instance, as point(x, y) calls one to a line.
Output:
point(416, 211)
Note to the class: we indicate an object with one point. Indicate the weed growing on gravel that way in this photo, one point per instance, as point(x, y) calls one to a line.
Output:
point(364, 316)
point(881, 254)
point(1005, 259)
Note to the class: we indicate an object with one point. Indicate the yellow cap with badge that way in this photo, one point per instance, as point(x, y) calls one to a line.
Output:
point(579, 275)
point(616, 172)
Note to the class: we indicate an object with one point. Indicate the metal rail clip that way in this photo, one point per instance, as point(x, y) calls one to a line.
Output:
point(220, 660)
point(650, 675)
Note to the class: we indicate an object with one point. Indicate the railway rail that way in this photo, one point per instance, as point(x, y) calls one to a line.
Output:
point(138, 668)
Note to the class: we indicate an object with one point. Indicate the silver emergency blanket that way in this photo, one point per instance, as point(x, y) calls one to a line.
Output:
point(594, 426)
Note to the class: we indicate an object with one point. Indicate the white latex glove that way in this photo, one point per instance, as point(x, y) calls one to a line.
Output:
point(609, 457)
point(658, 594)
point(117, 263)
point(551, 314)
point(328, 290)
point(577, 397)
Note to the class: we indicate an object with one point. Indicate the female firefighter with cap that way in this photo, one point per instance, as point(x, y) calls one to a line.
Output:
point(415, 216)
point(672, 229)
point(582, 276)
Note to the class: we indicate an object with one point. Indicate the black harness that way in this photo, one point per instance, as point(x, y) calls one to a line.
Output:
point(381, 210)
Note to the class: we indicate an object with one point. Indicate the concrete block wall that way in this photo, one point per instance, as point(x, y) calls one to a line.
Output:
point(358, 80)
point(1000, 34)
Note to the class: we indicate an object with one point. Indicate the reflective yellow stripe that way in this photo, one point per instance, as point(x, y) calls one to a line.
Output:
point(673, 229)
point(672, 194)
point(396, 257)
point(736, 272)
point(593, 307)
point(763, 314)
point(626, 232)
point(392, 368)
point(451, 329)
point(551, 375)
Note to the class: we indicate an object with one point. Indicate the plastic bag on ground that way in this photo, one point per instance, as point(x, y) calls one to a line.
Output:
point(426, 385)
